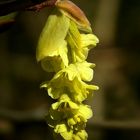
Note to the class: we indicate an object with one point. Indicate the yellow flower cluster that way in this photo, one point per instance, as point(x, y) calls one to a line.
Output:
point(63, 49)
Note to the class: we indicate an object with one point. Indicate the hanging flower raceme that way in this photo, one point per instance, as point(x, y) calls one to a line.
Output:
point(63, 49)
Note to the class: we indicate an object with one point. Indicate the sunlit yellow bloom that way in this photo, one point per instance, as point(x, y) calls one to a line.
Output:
point(79, 43)
point(63, 109)
point(57, 36)
point(69, 81)
point(79, 119)
point(70, 125)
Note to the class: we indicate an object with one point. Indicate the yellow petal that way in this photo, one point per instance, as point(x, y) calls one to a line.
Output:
point(52, 36)
point(85, 111)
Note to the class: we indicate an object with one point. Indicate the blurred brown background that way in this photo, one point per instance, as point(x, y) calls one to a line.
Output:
point(116, 105)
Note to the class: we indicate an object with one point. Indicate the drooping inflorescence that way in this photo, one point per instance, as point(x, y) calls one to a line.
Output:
point(63, 49)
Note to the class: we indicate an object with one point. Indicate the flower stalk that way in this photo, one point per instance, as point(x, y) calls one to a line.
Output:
point(63, 49)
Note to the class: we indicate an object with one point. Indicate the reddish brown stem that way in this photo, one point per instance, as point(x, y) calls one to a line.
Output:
point(40, 6)
point(14, 5)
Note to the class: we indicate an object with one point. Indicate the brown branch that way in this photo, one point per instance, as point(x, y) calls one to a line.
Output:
point(24, 116)
point(115, 124)
point(38, 115)
point(18, 5)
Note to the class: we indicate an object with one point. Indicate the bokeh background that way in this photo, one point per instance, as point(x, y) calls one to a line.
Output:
point(116, 105)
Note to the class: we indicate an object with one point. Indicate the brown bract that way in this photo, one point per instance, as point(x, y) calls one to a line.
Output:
point(73, 10)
